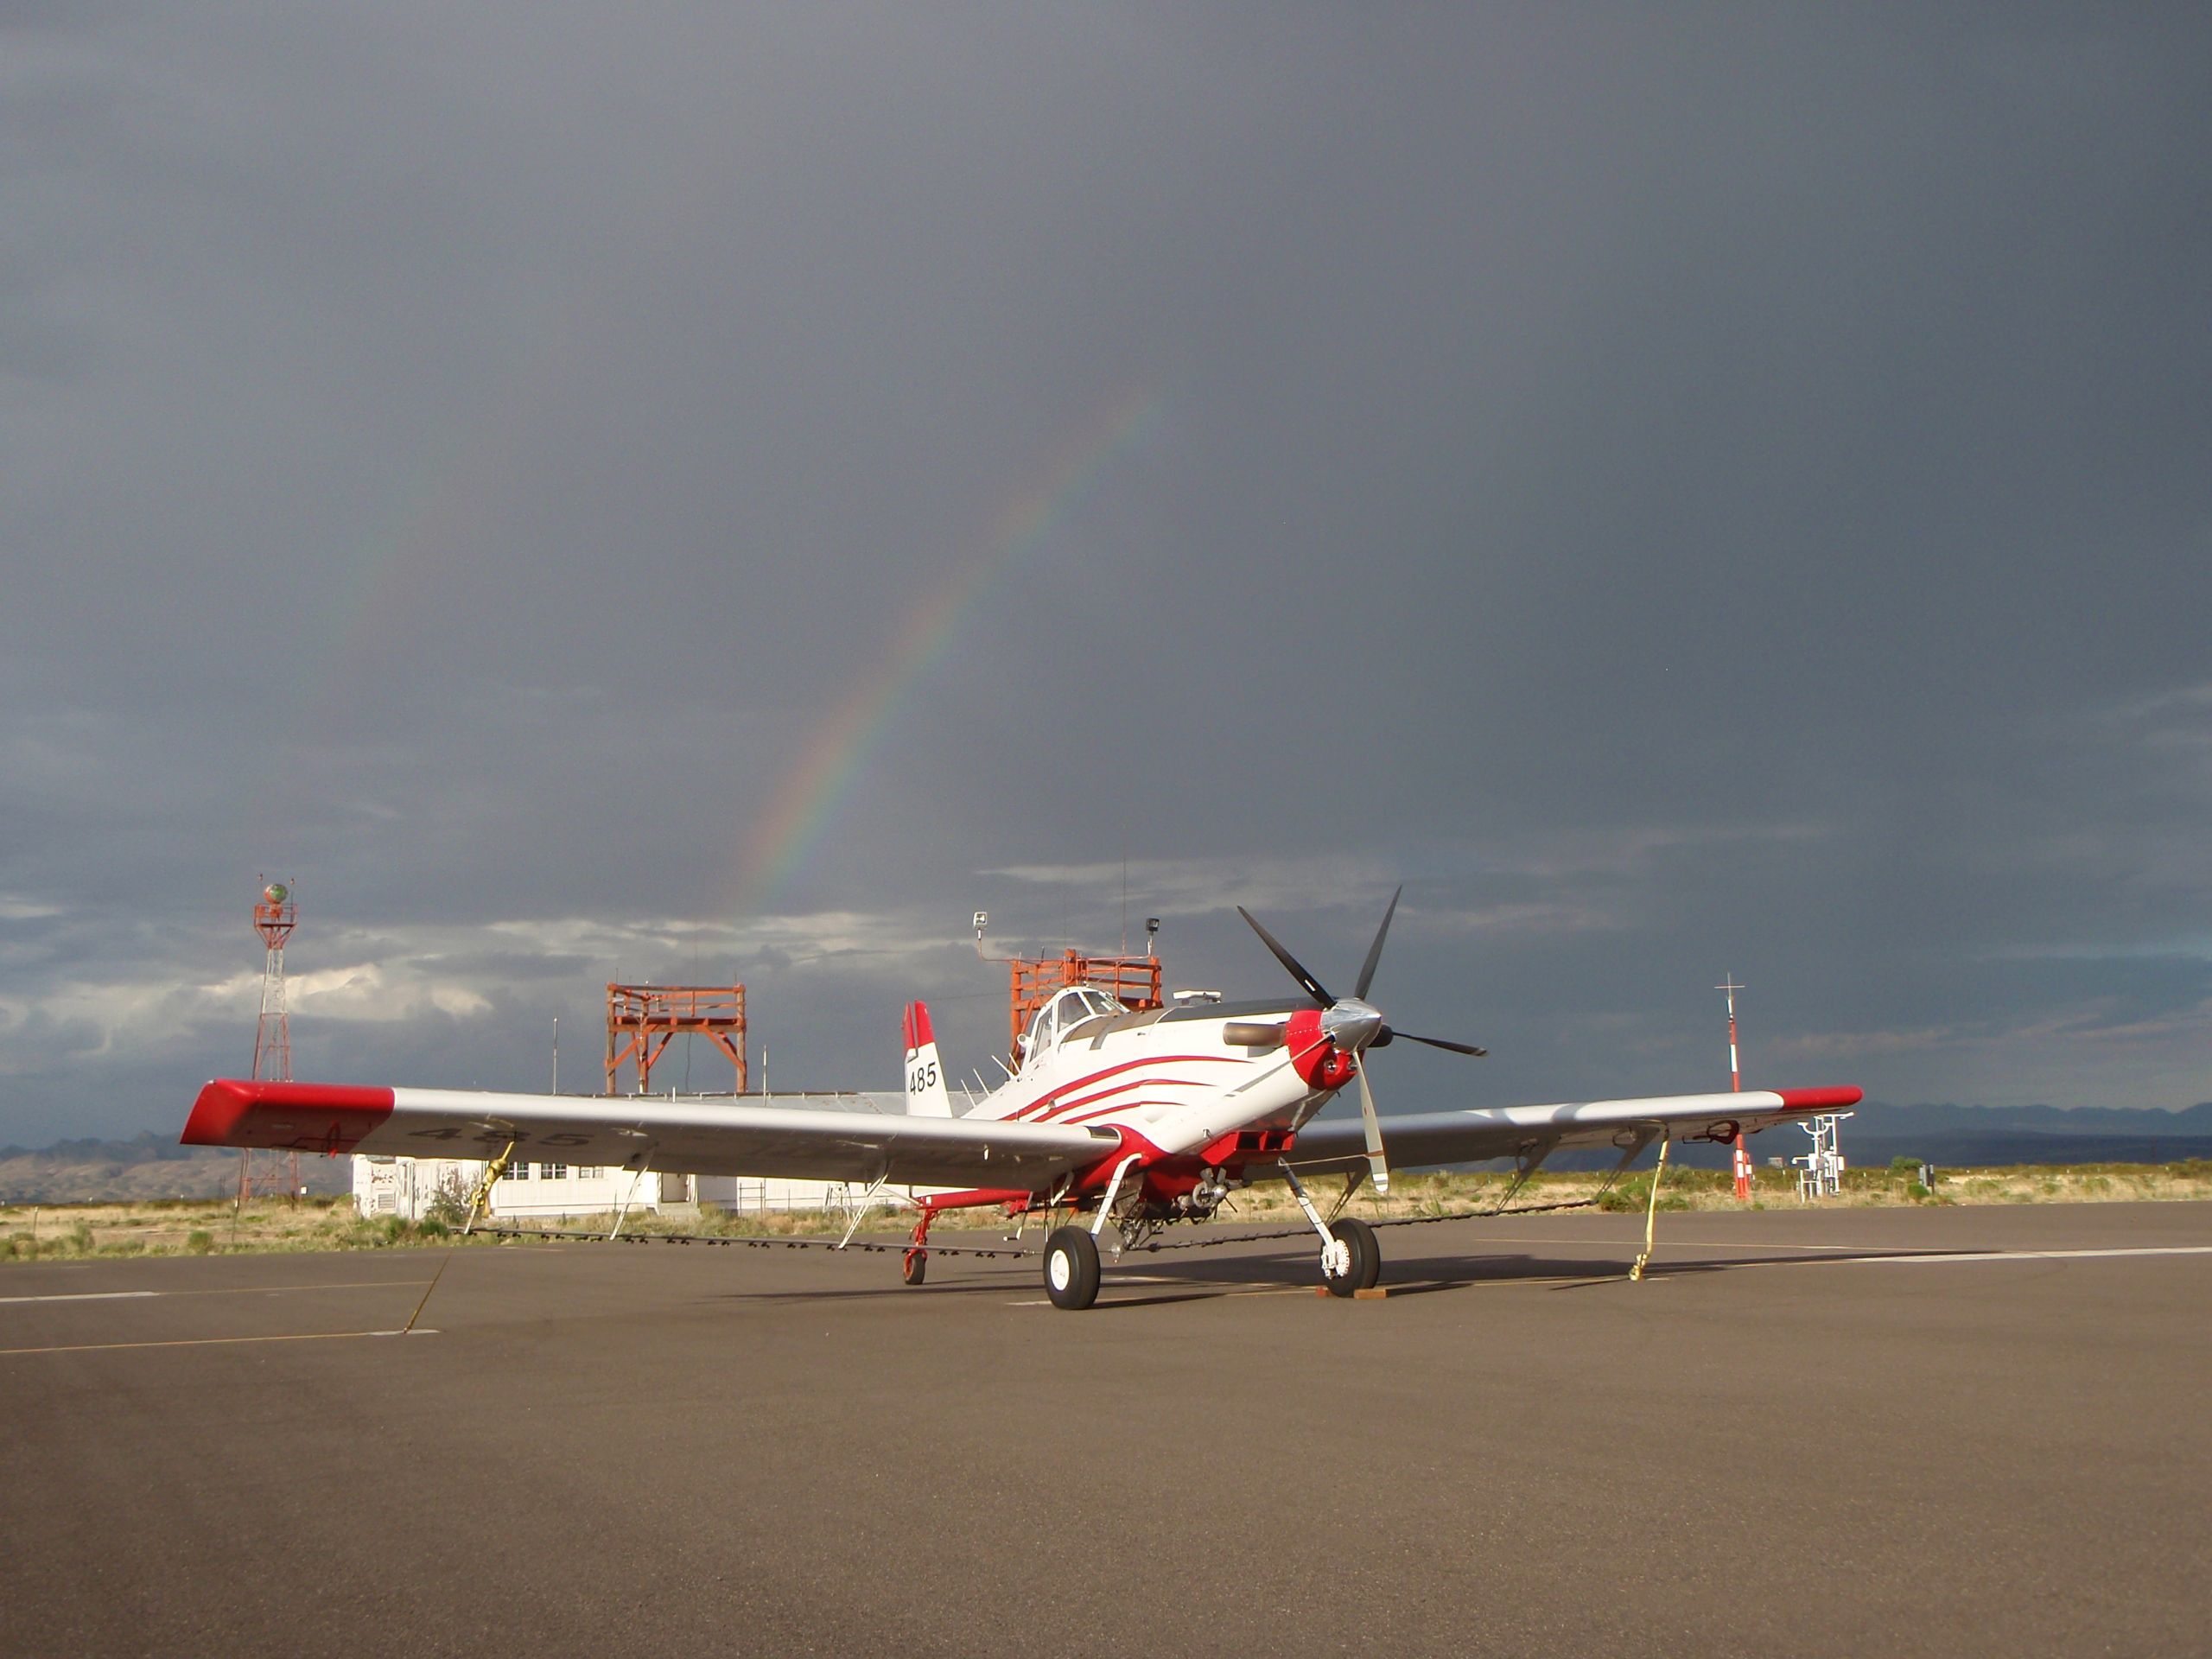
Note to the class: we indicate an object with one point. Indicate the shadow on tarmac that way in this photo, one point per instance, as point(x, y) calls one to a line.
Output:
point(1135, 1280)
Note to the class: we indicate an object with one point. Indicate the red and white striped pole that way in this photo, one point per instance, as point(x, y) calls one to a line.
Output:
point(1736, 1082)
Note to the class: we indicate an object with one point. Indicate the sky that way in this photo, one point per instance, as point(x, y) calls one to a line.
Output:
point(708, 494)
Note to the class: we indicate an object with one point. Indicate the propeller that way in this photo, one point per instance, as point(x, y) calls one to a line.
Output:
point(1378, 1164)
point(1390, 1034)
point(1361, 1027)
point(1311, 986)
point(1375, 950)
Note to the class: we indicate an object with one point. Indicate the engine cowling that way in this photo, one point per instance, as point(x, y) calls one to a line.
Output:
point(1313, 1053)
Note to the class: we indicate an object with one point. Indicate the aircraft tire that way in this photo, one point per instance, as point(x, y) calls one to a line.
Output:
point(915, 1267)
point(1366, 1252)
point(1071, 1269)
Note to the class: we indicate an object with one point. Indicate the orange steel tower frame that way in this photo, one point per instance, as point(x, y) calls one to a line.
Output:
point(275, 915)
point(643, 1020)
point(1032, 982)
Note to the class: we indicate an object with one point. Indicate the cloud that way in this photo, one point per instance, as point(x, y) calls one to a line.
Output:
point(1681, 496)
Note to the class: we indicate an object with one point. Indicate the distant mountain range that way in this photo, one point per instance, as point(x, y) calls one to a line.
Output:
point(151, 1166)
point(1963, 1137)
point(154, 1166)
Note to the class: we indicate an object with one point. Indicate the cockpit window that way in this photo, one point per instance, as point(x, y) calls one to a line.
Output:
point(1076, 1006)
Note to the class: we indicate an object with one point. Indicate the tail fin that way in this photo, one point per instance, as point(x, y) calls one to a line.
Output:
point(926, 1095)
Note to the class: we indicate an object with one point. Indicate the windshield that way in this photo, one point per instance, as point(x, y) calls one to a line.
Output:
point(1076, 1006)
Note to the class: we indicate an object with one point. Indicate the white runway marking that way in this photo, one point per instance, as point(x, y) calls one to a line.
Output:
point(83, 1296)
point(219, 1290)
point(2034, 1255)
point(209, 1342)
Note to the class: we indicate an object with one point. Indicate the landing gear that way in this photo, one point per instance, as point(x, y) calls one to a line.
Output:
point(1071, 1269)
point(914, 1265)
point(1353, 1244)
point(1351, 1259)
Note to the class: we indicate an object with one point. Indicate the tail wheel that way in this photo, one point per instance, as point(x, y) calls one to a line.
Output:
point(1363, 1258)
point(914, 1265)
point(1071, 1269)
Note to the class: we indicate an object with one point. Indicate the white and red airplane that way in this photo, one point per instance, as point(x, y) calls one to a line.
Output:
point(1138, 1118)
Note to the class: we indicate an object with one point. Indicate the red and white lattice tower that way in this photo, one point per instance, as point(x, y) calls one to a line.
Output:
point(1736, 1082)
point(275, 915)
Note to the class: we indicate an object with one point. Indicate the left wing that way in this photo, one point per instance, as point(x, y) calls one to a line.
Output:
point(1468, 1137)
point(846, 1138)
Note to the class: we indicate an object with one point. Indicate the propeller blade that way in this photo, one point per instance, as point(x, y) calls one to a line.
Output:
point(1378, 1166)
point(1313, 986)
point(1440, 1042)
point(1375, 950)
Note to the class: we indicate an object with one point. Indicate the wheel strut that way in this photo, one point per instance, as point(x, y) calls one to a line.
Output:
point(1335, 1255)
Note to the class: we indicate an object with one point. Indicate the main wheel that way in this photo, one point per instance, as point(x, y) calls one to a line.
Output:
point(1071, 1269)
point(1363, 1258)
point(914, 1265)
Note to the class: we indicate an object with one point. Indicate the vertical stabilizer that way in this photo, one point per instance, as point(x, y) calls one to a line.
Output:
point(926, 1096)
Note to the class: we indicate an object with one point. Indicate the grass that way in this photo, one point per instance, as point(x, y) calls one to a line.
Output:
point(202, 1227)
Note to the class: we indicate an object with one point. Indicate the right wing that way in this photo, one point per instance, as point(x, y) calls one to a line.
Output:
point(1469, 1137)
point(849, 1139)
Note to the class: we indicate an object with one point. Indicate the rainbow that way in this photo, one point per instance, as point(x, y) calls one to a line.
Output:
point(792, 826)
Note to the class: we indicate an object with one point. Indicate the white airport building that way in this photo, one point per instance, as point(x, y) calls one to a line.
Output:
point(410, 1186)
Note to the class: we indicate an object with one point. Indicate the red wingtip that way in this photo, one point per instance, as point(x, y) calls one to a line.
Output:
point(216, 1112)
point(238, 1112)
point(919, 1034)
point(1819, 1100)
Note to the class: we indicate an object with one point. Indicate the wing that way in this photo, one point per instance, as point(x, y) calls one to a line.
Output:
point(1431, 1138)
point(846, 1138)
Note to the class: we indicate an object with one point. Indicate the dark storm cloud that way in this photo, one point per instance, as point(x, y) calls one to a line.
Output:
point(1686, 491)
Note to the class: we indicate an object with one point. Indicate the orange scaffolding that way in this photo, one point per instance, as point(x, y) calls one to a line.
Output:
point(1033, 981)
point(643, 1020)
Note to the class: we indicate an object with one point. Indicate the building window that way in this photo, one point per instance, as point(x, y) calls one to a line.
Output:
point(517, 1172)
point(555, 1172)
point(587, 1172)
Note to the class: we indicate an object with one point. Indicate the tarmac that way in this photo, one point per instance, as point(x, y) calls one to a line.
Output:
point(1823, 1432)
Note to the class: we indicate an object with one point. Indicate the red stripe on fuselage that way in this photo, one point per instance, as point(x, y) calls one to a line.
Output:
point(1108, 1111)
point(1067, 1089)
point(303, 1117)
point(1118, 1089)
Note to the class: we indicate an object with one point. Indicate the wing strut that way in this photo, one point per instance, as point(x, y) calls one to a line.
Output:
point(1651, 1211)
point(482, 1196)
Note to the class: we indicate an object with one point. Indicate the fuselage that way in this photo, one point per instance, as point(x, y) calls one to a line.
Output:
point(1187, 1089)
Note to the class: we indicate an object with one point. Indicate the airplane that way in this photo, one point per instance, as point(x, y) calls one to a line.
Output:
point(1142, 1118)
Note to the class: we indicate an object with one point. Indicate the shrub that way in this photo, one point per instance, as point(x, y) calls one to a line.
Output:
point(448, 1208)
point(1635, 1194)
point(199, 1241)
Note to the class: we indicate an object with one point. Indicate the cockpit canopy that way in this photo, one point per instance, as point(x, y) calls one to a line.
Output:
point(1078, 1004)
